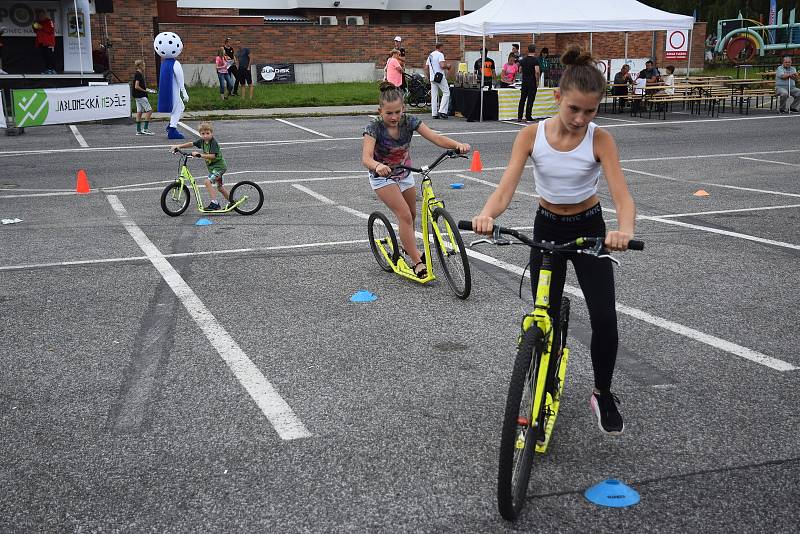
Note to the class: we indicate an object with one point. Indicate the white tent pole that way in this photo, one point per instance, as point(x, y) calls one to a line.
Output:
point(461, 37)
point(626, 47)
point(78, 29)
point(483, 56)
point(590, 42)
point(689, 57)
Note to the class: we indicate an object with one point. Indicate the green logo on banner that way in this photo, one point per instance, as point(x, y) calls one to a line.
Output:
point(30, 107)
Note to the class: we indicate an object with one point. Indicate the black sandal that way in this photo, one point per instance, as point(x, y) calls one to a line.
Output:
point(422, 273)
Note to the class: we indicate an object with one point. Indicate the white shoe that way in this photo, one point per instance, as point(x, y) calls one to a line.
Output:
point(140, 133)
point(147, 132)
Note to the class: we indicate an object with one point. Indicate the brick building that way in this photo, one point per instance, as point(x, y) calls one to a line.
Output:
point(304, 34)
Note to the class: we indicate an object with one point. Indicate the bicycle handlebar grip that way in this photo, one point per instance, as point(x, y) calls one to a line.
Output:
point(635, 244)
point(465, 225)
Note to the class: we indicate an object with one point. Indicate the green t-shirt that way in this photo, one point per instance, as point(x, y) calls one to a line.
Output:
point(212, 147)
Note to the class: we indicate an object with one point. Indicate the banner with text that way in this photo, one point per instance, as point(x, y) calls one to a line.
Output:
point(77, 36)
point(276, 73)
point(677, 45)
point(36, 107)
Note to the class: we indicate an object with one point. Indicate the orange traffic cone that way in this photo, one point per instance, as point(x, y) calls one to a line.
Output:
point(82, 186)
point(476, 165)
point(701, 193)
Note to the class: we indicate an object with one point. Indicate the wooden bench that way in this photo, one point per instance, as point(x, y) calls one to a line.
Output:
point(663, 103)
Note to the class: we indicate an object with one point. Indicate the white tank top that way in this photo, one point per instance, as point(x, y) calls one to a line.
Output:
point(565, 177)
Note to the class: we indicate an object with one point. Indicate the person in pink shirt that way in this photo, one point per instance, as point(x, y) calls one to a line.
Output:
point(394, 69)
point(510, 70)
point(223, 63)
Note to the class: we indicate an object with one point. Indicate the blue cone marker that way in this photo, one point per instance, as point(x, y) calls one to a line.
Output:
point(202, 222)
point(363, 296)
point(457, 185)
point(612, 493)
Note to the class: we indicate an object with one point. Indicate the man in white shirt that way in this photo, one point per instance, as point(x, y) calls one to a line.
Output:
point(436, 64)
point(785, 86)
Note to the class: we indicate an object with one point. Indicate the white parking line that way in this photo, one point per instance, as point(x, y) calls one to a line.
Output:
point(771, 161)
point(189, 128)
point(702, 337)
point(661, 176)
point(614, 119)
point(304, 128)
point(679, 223)
point(280, 415)
point(15, 153)
point(314, 194)
point(492, 184)
point(713, 156)
point(723, 212)
point(26, 266)
point(728, 233)
point(78, 136)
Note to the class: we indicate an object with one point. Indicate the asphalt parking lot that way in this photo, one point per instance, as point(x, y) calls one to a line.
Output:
point(164, 376)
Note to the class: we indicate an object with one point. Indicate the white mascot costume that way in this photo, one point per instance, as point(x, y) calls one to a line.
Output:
point(170, 83)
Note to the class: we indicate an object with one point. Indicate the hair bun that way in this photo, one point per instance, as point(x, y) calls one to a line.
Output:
point(574, 56)
point(386, 86)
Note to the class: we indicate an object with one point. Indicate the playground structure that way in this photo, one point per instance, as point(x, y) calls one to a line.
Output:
point(741, 39)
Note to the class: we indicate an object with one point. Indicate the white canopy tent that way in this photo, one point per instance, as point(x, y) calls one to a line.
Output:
point(572, 16)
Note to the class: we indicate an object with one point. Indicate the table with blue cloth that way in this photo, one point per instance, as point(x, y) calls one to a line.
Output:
point(467, 101)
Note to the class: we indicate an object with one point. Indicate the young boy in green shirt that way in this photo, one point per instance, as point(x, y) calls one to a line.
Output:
point(212, 153)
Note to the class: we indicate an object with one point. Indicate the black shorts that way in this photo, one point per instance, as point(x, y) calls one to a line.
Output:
point(245, 76)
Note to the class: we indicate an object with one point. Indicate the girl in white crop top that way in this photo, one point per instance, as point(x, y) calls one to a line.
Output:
point(568, 153)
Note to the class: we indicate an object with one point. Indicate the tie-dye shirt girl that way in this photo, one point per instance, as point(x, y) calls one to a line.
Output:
point(391, 151)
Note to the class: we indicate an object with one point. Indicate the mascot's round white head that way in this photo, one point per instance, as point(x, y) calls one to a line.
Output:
point(168, 45)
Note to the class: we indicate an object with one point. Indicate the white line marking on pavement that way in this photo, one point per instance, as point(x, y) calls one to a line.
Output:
point(771, 161)
point(767, 191)
point(304, 128)
point(78, 136)
point(321, 171)
point(138, 187)
point(713, 341)
point(679, 223)
point(189, 128)
point(722, 212)
point(703, 156)
point(677, 328)
point(14, 153)
point(614, 119)
point(314, 194)
point(283, 419)
point(492, 184)
point(721, 232)
point(53, 194)
point(23, 267)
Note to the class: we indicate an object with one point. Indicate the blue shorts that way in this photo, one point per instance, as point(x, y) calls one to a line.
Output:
point(215, 177)
point(379, 181)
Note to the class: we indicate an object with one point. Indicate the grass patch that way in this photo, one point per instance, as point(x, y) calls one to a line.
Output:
point(282, 96)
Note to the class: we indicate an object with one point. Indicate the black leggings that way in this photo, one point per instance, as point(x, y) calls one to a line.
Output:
point(596, 278)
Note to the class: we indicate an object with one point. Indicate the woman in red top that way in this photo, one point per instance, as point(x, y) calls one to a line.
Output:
point(46, 40)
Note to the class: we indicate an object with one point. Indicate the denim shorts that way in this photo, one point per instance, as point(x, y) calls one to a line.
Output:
point(379, 181)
